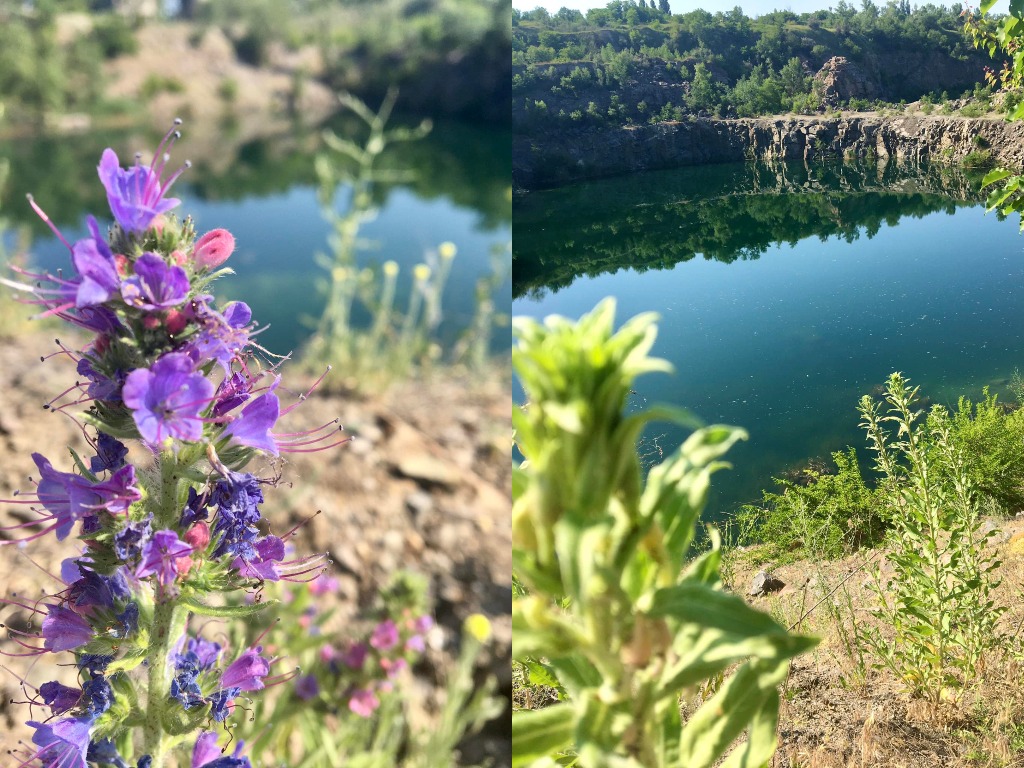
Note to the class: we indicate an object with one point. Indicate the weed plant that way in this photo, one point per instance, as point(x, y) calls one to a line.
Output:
point(938, 601)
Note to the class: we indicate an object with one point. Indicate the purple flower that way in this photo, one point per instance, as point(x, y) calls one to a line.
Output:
point(110, 453)
point(237, 498)
point(246, 672)
point(102, 387)
point(159, 554)
point(128, 542)
point(65, 630)
point(166, 399)
point(104, 752)
point(97, 695)
point(59, 698)
point(155, 285)
point(206, 754)
point(95, 263)
point(363, 702)
point(222, 335)
point(94, 589)
point(70, 497)
point(184, 686)
point(415, 644)
point(64, 743)
point(385, 636)
point(231, 393)
point(136, 195)
point(252, 426)
point(355, 656)
point(206, 651)
point(222, 703)
point(128, 620)
point(306, 687)
point(94, 663)
point(269, 551)
point(195, 509)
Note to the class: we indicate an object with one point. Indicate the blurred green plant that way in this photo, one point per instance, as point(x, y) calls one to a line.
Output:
point(598, 555)
point(938, 600)
point(398, 340)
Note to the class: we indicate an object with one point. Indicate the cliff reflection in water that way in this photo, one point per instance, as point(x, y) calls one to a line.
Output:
point(725, 213)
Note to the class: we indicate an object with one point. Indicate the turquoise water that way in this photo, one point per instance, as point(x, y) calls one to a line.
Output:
point(783, 338)
point(457, 190)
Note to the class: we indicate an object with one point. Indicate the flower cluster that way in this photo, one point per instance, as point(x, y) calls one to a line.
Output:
point(355, 674)
point(168, 368)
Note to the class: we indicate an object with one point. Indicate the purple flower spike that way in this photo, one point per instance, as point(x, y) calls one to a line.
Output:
point(155, 285)
point(159, 554)
point(246, 672)
point(64, 743)
point(65, 630)
point(59, 698)
point(136, 195)
point(166, 399)
point(95, 263)
point(252, 426)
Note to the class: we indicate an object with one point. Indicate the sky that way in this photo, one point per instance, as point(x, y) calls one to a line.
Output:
point(750, 7)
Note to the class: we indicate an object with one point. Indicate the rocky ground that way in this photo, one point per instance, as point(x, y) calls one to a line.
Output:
point(425, 485)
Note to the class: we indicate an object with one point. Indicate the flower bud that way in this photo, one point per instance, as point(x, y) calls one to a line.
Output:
point(198, 536)
point(183, 565)
point(176, 321)
point(213, 249)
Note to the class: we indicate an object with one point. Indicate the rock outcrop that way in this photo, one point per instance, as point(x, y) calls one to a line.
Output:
point(840, 80)
point(557, 159)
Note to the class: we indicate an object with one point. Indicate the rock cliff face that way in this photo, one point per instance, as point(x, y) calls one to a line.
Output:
point(554, 160)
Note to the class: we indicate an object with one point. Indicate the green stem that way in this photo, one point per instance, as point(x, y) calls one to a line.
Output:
point(168, 623)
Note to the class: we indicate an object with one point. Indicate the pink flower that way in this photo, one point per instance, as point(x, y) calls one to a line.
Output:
point(385, 636)
point(363, 702)
point(355, 656)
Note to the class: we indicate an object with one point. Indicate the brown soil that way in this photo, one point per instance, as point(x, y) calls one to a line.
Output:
point(424, 485)
point(838, 713)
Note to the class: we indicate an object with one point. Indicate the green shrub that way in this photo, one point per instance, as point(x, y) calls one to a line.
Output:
point(114, 35)
point(155, 84)
point(227, 90)
point(991, 439)
point(978, 158)
point(819, 513)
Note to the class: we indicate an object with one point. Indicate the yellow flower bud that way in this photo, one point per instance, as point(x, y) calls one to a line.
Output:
point(446, 250)
point(479, 627)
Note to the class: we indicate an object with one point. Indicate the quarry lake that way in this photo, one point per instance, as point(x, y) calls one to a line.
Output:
point(785, 293)
point(451, 186)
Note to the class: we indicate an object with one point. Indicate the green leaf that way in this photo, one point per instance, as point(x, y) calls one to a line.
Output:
point(541, 733)
point(541, 674)
point(225, 611)
point(993, 176)
point(986, 5)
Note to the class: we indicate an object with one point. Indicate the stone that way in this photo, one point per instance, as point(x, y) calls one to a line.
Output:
point(764, 583)
point(427, 469)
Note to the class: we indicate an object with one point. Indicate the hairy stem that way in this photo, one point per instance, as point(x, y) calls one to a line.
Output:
point(168, 623)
